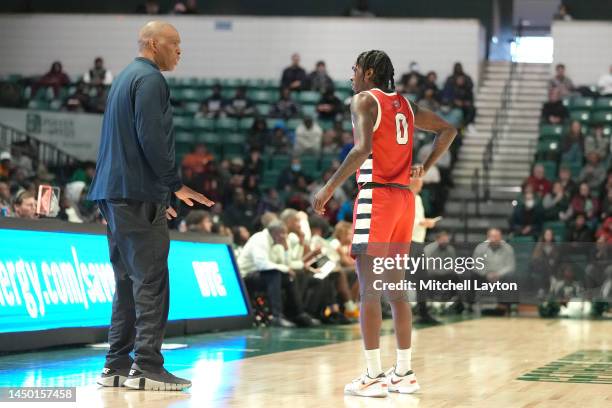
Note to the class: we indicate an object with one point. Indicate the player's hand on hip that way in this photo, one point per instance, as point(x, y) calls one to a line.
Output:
point(417, 171)
point(320, 199)
point(188, 196)
point(170, 213)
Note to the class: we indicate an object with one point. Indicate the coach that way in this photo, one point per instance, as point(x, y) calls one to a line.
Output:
point(135, 176)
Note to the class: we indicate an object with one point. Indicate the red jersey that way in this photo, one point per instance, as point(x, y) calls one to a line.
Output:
point(391, 157)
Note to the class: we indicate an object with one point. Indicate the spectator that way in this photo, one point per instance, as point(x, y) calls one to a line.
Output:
point(186, 7)
point(241, 209)
point(605, 231)
point(260, 263)
point(429, 101)
point(318, 80)
point(412, 80)
point(199, 221)
point(462, 98)
point(498, 259)
point(597, 142)
point(451, 115)
point(6, 165)
point(241, 236)
point(544, 261)
point(412, 88)
point(79, 100)
point(98, 75)
point(270, 202)
point(97, 104)
point(538, 182)
point(25, 206)
point(594, 172)
point(556, 203)
point(553, 111)
point(360, 9)
point(431, 83)
point(442, 249)
point(605, 83)
point(240, 106)
point(457, 72)
point(285, 108)
point(279, 143)
point(562, 13)
point(565, 178)
point(258, 134)
point(254, 164)
point(194, 163)
point(347, 144)
point(55, 78)
point(294, 76)
point(329, 143)
point(5, 199)
point(606, 207)
point(573, 144)
point(560, 82)
point(598, 272)
point(213, 106)
point(582, 203)
point(290, 175)
point(579, 231)
point(565, 287)
point(308, 137)
point(329, 106)
point(150, 7)
point(527, 216)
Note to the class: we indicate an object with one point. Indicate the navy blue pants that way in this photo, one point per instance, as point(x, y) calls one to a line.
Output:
point(138, 244)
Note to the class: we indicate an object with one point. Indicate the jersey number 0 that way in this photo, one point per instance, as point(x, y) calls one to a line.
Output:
point(401, 128)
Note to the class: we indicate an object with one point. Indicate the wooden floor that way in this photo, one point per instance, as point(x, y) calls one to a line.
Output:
point(474, 363)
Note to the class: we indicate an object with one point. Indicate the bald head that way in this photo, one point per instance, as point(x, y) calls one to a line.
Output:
point(160, 42)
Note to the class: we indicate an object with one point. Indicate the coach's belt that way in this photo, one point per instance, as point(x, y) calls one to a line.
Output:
point(376, 185)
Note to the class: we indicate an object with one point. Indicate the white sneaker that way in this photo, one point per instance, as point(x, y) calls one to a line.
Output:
point(365, 386)
point(404, 384)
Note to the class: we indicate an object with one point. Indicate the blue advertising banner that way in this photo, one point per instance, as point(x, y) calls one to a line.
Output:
point(51, 280)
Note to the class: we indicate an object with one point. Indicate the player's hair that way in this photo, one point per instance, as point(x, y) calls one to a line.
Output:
point(380, 62)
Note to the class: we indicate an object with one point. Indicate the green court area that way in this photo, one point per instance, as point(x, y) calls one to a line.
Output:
point(584, 366)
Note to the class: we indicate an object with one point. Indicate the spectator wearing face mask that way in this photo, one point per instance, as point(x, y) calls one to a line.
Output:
point(527, 216)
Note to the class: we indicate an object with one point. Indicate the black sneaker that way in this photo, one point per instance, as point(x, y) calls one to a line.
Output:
point(139, 379)
point(113, 377)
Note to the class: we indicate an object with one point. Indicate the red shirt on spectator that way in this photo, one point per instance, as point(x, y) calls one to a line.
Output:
point(540, 186)
point(606, 230)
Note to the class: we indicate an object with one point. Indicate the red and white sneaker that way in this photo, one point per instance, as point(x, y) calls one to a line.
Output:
point(365, 386)
point(404, 384)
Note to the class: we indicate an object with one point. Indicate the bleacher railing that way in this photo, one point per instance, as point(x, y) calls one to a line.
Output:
point(46, 153)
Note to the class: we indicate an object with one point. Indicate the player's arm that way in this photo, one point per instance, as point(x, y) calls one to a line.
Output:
point(364, 110)
point(425, 119)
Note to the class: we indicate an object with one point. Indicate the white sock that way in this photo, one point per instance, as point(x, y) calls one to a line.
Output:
point(373, 362)
point(403, 361)
point(350, 306)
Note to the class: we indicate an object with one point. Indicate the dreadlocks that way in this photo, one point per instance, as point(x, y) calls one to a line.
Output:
point(380, 62)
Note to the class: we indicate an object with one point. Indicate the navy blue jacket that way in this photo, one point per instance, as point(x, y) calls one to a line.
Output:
point(136, 158)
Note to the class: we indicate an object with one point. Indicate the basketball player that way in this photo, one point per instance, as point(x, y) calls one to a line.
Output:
point(383, 126)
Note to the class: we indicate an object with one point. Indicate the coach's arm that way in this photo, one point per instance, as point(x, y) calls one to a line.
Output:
point(365, 111)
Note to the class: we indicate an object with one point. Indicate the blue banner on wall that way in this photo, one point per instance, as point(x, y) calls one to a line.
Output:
point(51, 280)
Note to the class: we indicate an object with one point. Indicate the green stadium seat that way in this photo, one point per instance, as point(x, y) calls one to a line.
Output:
point(326, 124)
point(271, 123)
point(182, 122)
point(232, 82)
point(308, 97)
point(603, 117)
point(343, 86)
point(192, 107)
point(521, 240)
point(231, 150)
point(580, 115)
point(208, 138)
point(269, 179)
point(192, 95)
point(551, 130)
point(237, 138)
point(546, 150)
point(254, 83)
point(263, 109)
point(309, 110)
point(604, 103)
point(344, 95)
point(260, 96)
point(38, 105)
point(208, 82)
point(327, 160)
point(245, 124)
point(279, 162)
point(271, 84)
point(191, 82)
point(181, 149)
point(184, 137)
point(347, 126)
point(292, 124)
point(310, 164)
point(581, 102)
point(203, 124)
point(226, 124)
point(55, 105)
point(607, 131)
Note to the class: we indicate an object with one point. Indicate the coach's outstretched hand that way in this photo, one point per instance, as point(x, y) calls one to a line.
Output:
point(320, 199)
point(188, 196)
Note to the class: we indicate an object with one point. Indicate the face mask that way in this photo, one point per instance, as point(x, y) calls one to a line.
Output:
point(296, 167)
point(529, 203)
